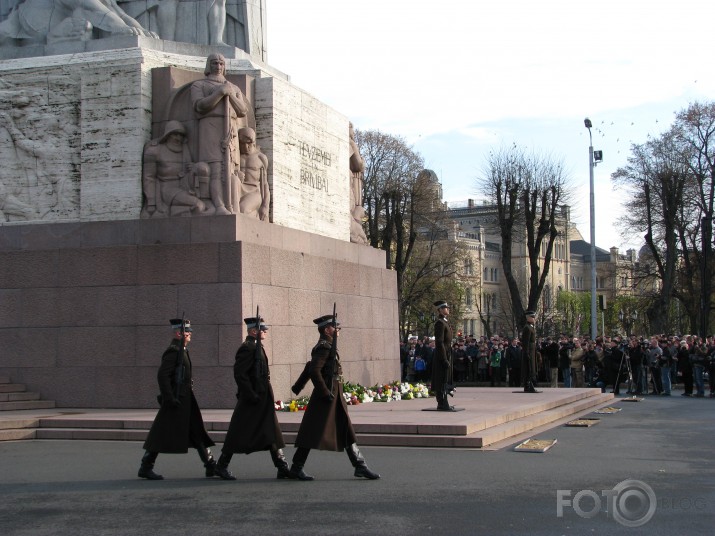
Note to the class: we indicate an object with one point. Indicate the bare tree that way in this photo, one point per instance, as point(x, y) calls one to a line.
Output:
point(528, 191)
point(693, 134)
point(407, 219)
point(671, 180)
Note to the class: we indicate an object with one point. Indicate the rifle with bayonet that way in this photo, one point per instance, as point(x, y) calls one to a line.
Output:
point(179, 369)
point(258, 355)
point(332, 356)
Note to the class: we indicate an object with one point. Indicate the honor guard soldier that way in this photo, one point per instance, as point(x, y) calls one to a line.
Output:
point(254, 426)
point(326, 424)
point(442, 361)
point(178, 424)
point(528, 353)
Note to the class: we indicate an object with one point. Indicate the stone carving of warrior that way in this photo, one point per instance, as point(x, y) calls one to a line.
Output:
point(357, 212)
point(169, 178)
point(255, 193)
point(219, 105)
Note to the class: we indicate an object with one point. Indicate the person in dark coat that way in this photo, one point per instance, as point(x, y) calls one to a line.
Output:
point(442, 360)
point(178, 425)
point(254, 426)
point(326, 424)
point(528, 353)
point(513, 356)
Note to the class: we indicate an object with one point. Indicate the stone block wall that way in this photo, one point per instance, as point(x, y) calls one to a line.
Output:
point(84, 307)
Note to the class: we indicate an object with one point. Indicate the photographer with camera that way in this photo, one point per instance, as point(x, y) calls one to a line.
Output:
point(590, 362)
point(665, 362)
point(565, 347)
point(577, 358)
point(550, 351)
point(612, 361)
point(635, 356)
point(685, 368)
point(655, 352)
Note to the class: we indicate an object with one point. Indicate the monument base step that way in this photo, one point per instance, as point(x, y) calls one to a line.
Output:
point(490, 416)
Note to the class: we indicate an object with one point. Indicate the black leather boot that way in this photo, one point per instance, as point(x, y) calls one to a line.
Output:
point(221, 468)
point(296, 470)
point(146, 469)
point(208, 459)
point(279, 460)
point(529, 387)
point(361, 468)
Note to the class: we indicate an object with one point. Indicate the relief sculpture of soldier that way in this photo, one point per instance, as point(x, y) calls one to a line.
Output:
point(254, 426)
point(219, 105)
point(169, 178)
point(178, 425)
point(357, 211)
point(326, 424)
point(255, 193)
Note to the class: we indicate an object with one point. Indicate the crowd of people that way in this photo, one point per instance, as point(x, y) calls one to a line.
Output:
point(643, 365)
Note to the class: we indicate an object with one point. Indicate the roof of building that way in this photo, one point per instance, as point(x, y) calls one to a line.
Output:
point(581, 247)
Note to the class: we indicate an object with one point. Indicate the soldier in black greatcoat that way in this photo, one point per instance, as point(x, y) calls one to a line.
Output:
point(442, 360)
point(178, 424)
point(528, 353)
point(254, 426)
point(326, 424)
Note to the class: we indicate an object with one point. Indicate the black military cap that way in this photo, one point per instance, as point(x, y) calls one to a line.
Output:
point(530, 313)
point(324, 321)
point(176, 324)
point(253, 322)
point(441, 303)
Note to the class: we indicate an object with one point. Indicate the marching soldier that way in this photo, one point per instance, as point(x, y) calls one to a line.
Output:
point(178, 424)
point(326, 424)
point(442, 361)
point(254, 426)
point(528, 354)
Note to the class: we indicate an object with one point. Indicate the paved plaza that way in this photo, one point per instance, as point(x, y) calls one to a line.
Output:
point(665, 444)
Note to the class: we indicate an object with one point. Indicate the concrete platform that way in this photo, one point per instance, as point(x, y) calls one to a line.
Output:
point(491, 415)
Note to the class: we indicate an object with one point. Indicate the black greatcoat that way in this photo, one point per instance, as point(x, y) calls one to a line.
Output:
point(176, 429)
point(254, 425)
point(442, 352)
point(528, 353)
point(326, 424)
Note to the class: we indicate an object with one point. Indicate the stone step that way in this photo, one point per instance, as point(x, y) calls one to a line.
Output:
point(17, 423)
point(4, 379)
point(29, 404)
point(8, 387)
point(14, 434)
point(17, 429)
point(439, 436)
point(530, 422)
point(16, 397)
point(105, 434)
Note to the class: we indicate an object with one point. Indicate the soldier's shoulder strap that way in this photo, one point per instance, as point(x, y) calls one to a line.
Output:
point(322, 343)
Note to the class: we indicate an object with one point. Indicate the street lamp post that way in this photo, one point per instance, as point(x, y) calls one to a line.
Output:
point(591, 165)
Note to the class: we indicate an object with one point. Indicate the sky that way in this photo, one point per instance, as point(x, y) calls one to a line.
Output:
point(460, 78)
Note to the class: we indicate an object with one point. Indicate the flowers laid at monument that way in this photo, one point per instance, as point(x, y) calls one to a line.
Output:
point(355, 393)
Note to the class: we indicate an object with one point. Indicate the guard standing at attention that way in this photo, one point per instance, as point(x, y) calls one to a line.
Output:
point(178, 424)
point(442, 360)
point(528, 353)
point(254, 426)
point(326, 424)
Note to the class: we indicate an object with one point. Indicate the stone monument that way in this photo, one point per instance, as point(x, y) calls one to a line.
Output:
point(110, 217)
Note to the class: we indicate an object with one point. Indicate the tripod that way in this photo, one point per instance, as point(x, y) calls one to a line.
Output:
point(629, 382)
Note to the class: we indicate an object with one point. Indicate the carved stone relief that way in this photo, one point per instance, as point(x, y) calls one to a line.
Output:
point(205, 176)
point(235, 23)
point(39, 150)
point(357, 212)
